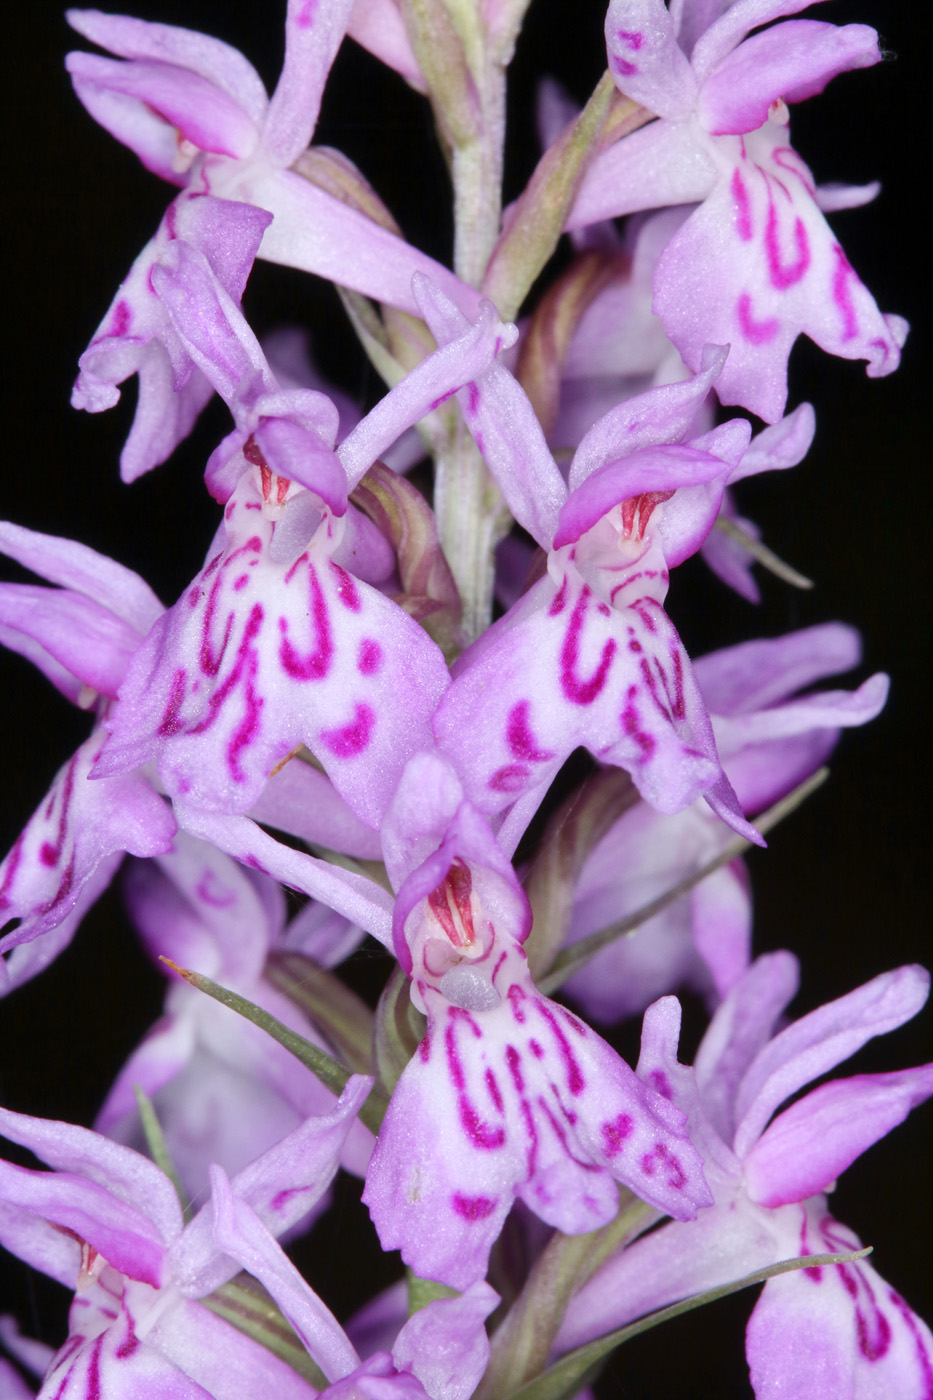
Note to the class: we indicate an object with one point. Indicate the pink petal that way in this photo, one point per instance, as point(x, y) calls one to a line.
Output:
point(792, 61)
point(811, 1143)
point(77, 566)
point(378, 26)
point(204, 115)
point(211, 58)
point(740, 1027)
point(820, 1041)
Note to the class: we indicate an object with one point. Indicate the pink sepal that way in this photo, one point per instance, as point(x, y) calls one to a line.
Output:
point(360, 900)
point(658, 417)
point(792, 61)
point(313, 34)
point(73, 565)
point(86, 640)
point(378, 26)
point(741, 1027)
point(211, 58)
point(645, 60)
point(194, 106)
point(74, 839)
point(445, 1344)
point(820, 1041)
point(810, 1144)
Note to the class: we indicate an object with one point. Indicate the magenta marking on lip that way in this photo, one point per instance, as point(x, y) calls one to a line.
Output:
point(472, 1207)
point(369, 658)
point(754, 331)
point(577, 690)
point(50, 854)
point(520, 738)
point(346, 588)
point(351, 739)
point(743, 208)
point(510, 778)
point(315, 665)
point(842, 296)
point(784, 275)
point(615, 1132)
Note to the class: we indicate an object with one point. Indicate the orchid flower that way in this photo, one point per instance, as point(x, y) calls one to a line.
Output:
point(106, 1222)
point(756, 264)
point(588, 655)
point(137, 337)
point(508, 1093)
point(82, 636)
point(196, 113)
point(222, 1088)
point(770, 739)
point(841, 1330)
point(276, 643)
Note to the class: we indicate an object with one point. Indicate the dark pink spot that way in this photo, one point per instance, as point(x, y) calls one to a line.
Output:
point(516, 997)
point(661, 1159)
point(436, 403)
point(472, 1207)
point(351, 739)
point(511, 778)
point(316, 664)
point(580, 691)
point(784, 275)
point(924, 1360)
point(240, 582)
point(305, 18)
point(282, 1198)
point(629, 720)
point(615, 1133)
point(48, 854)
point(121, 319)
point(493, 1086)
point(623, 67)
point(346, 588)
point(370, 657)
point(537, 1049)
point(755, 332)
point(472, 391)
point(659, 1081)
point(575, 1081)
point(743, 209)
point(482, 1134)
point(841, 294)
point(520, 738)
point(514, 1061)
point(632, 38)
point(559, 600)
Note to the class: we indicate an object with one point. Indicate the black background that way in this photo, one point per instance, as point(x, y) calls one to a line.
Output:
point(845, 884)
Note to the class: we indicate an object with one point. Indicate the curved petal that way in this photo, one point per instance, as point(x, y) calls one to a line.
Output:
point(211, 58)
point(822, 1040)
point(792, 61)
point(445, 1344)
point(810, 1144)
point(74, 565)
point(240, 1233)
